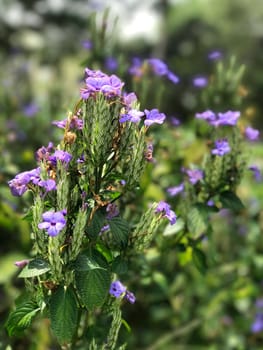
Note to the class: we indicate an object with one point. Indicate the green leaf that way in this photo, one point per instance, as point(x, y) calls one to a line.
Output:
point(119, 266)
point(90, 260)
point(231, 200)
point(64, 314)
point(197, 220)
point(96, 224)
point(21, 317)
point(120, 231)
point(171, 230)
point(199, 260)
point(34, 268)
point(93, 286)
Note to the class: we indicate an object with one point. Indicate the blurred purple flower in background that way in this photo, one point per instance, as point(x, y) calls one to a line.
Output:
point(256, 172)
point(175, 190)
point(215, 55)
point(200, 81)
point(87, 44)
point(30, 109)
point(257, 325)
point(251, 134)
point(111, 63)
point(194, 175)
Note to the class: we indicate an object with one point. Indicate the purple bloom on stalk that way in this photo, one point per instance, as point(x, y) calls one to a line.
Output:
point(256, 172)
point(153, 116)
point(257, 325)
point(48, 185)
point(174, 191)
point(129, 99)
point(117, 289)
point(251, 134)
point(75, 123)
point(87, 44)
point(132, 115)
point(53, 222)
point(200, 81)
point(221, 147)
point(21, 263)
point(63, 156)
point(18, 185)
point(158, 66)
point(194, 175)
point(165, 209)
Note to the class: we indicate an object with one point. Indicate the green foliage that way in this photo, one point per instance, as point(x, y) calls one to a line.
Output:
point(120, 231)
point(21, 318)
point(64, 314)
point(35, 267)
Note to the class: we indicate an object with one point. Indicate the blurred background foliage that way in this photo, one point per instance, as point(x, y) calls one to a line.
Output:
point(45, 46)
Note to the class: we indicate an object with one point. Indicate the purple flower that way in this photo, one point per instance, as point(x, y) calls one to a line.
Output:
point(63, 156)
point(48, 185)
point(200, 81)
point(132, 115)
point(112, 210)
point(111, 63)
point(158, 66)
point(221, 147)
point(194, 175)
point(174, 121)
point(129, 99)
point(206, 115)
point(87, 44)
point(256, 172)
point(97, 81)
point(215, 55)
point(30, 109)
point(172, 77)
point(130, 297)
point(174, 191)
point(136, 67)
point(257, 325)
point(153, 116)
point(166, 211)
point(148, 154)
point(104, 229)
point(259, 303)
point(53, 222)
point(75, 123)
point(18, 185)
point(226, 118)
point(251, 134)
point(43, 153)
point(117, 289)
point(21, 263)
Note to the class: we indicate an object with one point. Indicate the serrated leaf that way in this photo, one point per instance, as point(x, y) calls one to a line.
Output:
point(199, 259)
point(197, 220)
point(21, 317)
point(120, 231)
point(96, 224)
point(231, 200)
point(64, 314)
point(93, 287)
point(34, 268)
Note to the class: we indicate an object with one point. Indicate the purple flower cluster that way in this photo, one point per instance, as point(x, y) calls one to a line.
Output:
point(221, 147)
point(112, 210)
point(75, 122)
point(219, 119)
point(200, 81)
point(175, 190)
point(53, 222)
point(97, 81)
point(117, 289)
point(166, 211)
